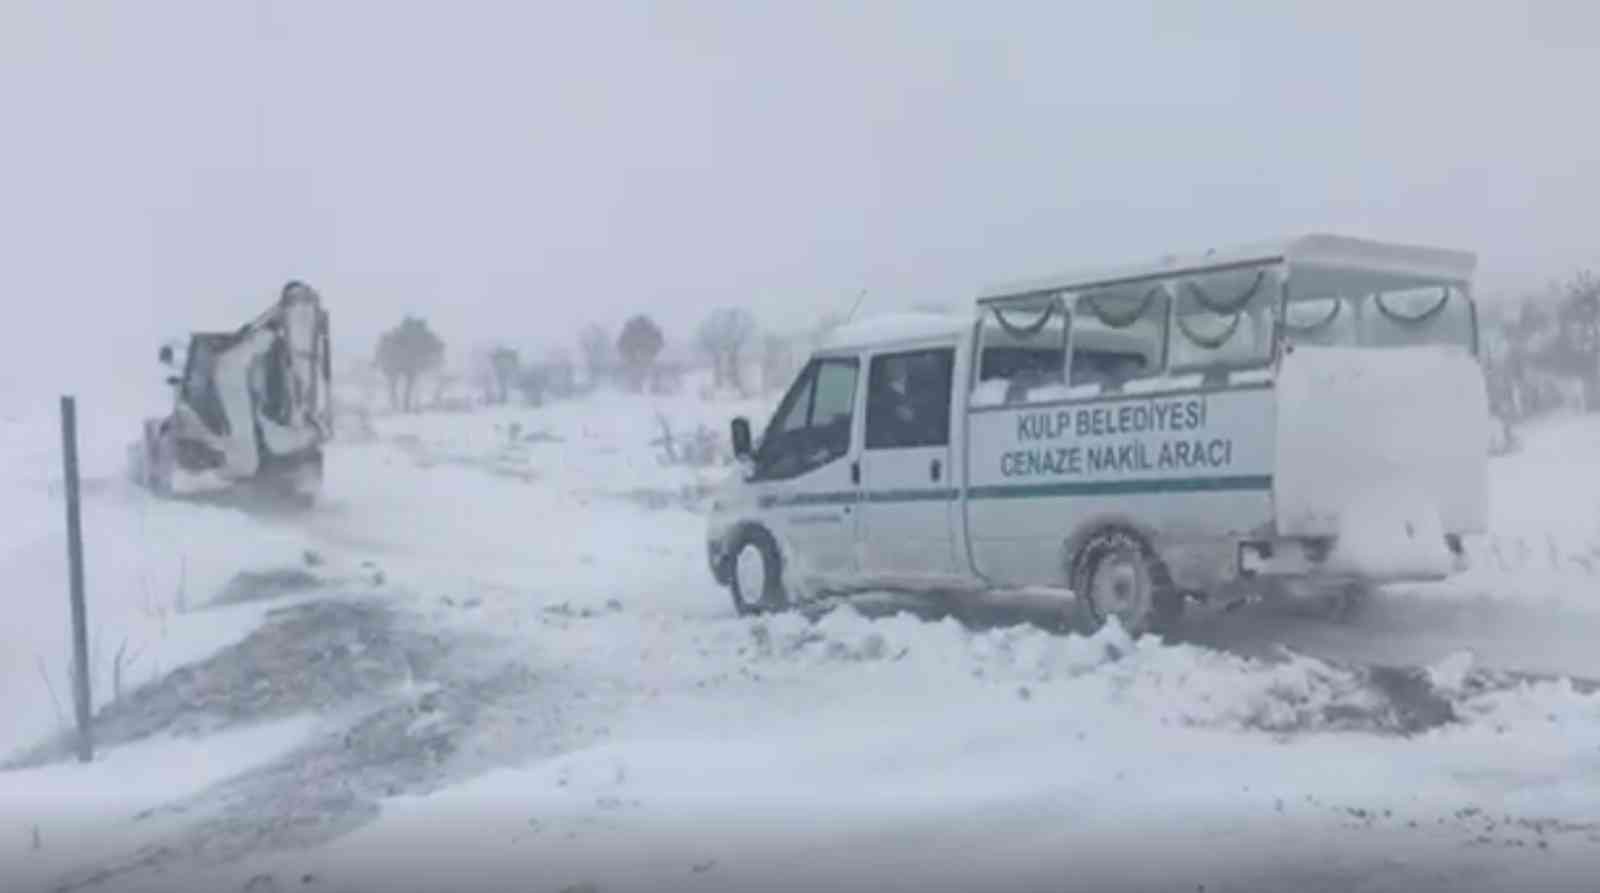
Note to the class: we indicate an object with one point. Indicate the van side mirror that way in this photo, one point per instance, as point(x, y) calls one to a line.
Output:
point(741, 438)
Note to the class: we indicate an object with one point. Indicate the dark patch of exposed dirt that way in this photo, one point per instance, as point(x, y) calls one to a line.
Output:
point(305, 658)
point(412, 745)
point(1477, 826)
point(403, 710)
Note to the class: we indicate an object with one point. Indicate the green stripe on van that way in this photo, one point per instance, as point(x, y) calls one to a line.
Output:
point(787, 500)
point(1237, 483)
point(850, 497)
point(1234, 484)
point(944, 495)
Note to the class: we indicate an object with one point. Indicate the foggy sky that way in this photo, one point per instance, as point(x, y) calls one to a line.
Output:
point(514, 169)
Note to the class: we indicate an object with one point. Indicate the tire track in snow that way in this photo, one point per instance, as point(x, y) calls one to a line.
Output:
point(1416, 629)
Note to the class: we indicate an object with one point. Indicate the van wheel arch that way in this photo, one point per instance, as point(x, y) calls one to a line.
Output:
point(1087, 545)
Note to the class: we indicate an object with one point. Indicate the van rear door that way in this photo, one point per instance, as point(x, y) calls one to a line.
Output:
point(908, 486)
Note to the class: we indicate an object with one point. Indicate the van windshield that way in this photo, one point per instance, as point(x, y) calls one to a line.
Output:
point(1406, 316)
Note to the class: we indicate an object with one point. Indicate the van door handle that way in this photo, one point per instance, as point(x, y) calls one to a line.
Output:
point(934, 469)
point(855, 473)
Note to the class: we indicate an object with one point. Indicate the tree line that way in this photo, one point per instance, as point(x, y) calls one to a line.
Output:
point(728, 338)
point(1542, 353)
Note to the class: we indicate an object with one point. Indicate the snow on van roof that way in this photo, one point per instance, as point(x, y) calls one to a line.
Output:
point(890, 327)
point(1314, 250)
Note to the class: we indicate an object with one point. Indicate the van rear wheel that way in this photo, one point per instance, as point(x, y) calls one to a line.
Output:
point(1115, 573)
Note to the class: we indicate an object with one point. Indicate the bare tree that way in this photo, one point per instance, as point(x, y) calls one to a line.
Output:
point(405, 353)
point(598, 350)
point(558, 372)
point(481, 372)
point(1578, 343)
point(1495, 343)
point(507, 366)
point(533, 382)
point(639, 345)
point(777, 362)
point(723, 336)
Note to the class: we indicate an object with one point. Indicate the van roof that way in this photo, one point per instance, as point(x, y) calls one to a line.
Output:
point(889, 328)
point(1314, 250)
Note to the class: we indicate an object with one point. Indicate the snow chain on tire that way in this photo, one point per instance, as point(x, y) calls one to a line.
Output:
point(1166, 602)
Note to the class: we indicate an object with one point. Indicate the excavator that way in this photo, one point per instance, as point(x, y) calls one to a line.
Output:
point(252, 409)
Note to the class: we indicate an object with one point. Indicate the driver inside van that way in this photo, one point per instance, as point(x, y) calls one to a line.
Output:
point(912, 403)
point(894, 395)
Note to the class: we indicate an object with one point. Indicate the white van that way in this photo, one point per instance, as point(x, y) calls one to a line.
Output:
point(1307, 414)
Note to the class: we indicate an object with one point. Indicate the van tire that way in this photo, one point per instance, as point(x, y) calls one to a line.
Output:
point(755, 562)
point(1153, 604)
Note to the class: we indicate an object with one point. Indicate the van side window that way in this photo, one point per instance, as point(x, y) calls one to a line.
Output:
point(908, 399)
point(1324, 321)
point(1350, 310)
point(1120, 334)
point(1225, 319)
point(1022, 353)
point(1405, 317)
point(812, 425)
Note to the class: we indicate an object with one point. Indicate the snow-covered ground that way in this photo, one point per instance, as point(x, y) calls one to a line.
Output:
point(692, 748)
point(149, 567)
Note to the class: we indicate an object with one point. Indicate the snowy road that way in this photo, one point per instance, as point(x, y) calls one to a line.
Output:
point(698, 750)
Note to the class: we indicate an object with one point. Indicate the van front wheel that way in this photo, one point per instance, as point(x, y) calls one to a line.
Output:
point(757, 578)
point(1115, 573)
